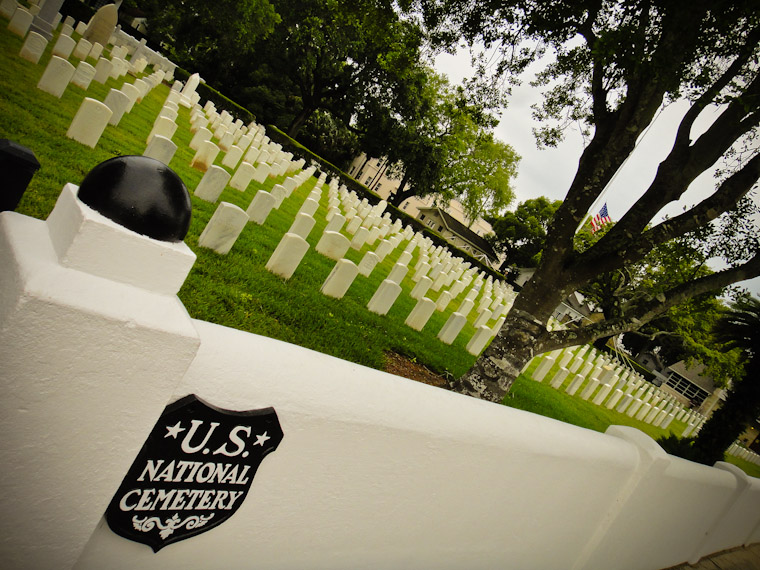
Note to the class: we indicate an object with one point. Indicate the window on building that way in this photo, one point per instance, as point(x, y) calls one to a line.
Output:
point(431, 223)
point(440, 229)
point(422, 217)
point(405, 205)
point(369, 179)
point(688, 389)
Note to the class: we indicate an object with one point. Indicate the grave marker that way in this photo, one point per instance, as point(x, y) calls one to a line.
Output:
point(160, 148)
point(384, 297)
point(82, 49)
point(452, 328)
point(212, 184)
point(102, 25)
point(83, 75)
point(223, 229)
point(260, 207)
point(102, 70)
point(118, 103)
point(20, 22)
point(287, 255)
point(421, 314)
point(33, 47)
point(302, 225)
point(205, 156)
point(89, 122)
point(340, 278)
point(56, 76)
point(479, 340)
point(333, 245)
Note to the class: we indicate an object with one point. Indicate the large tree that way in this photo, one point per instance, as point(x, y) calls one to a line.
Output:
point(213, 38)
point(438, 143)
point(335, 55)
point(615, 64)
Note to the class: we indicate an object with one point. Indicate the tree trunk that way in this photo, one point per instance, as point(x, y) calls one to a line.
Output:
point(298, 121)
point(398, 197)
point(493, 374)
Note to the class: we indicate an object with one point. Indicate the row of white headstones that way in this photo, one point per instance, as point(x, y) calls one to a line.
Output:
point(93, 116)
point(596, 378)
point(253, 156)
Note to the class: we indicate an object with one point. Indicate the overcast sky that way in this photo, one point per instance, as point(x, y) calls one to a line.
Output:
point(549, 172)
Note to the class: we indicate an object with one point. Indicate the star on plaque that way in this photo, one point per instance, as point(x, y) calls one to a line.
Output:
point(174, 430)
point(261, 439)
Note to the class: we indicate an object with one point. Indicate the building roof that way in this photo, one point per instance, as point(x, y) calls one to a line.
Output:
point(457, 227)
point(694, 374)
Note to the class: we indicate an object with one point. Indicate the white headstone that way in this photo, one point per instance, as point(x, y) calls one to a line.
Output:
point(340, 278)
point(118, 103)
point(83, 75)
point(421, 288)
point(102, 24)
point(261, 173)
point(212, 184)
point(242, 177)
point(80, 28)
point(132, 92)
point(161, 148)
point(287, 255)
point(260, 207)
point(89, 122)
point(164, 127)
point(33, 47)
point(8, 8)
point(95, 51)
point(421, 314)
point(64, 46)
point(232, 157)
point(310, 206)
point(279, 192)
point(384, 297)
point(368, 263)
point(224, 228)
point(333, 245)
point(200, 136)
point(452, 328)
point(56, 77)
point(20, 22)
point(82, 49)
point(479, 340)
point(205, 156)
point(302, 225)
point(398, 272)
point(443, 301)
point(103, 70)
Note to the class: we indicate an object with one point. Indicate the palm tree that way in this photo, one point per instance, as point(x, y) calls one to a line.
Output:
point(739, 328)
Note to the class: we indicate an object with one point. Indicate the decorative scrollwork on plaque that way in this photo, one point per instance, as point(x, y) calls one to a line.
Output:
point(167, 528)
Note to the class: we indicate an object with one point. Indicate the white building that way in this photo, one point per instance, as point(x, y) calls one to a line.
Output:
point(449, 222)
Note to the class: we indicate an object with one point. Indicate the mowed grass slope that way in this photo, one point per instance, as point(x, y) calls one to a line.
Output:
point(235, 289)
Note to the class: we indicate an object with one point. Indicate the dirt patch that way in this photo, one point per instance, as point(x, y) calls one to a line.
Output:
point(402, 366)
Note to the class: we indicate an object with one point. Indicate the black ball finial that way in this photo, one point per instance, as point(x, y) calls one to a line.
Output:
point(140, 193)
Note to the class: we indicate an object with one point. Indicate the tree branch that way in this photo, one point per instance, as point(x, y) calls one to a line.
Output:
point(611, 254)
point(648, 310)
point(683, 135)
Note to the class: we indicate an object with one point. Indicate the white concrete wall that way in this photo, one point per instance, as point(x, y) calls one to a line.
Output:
point(374, 471)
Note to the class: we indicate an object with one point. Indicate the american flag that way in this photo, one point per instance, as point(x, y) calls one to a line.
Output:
point(603, 217)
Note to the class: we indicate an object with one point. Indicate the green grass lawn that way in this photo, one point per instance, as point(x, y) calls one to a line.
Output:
point(236, 290)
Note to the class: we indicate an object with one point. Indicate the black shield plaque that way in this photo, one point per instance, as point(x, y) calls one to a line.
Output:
point(193, 472)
